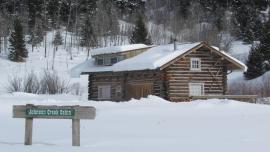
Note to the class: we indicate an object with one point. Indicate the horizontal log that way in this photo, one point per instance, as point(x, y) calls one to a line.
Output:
point(177, 94)
point(225, 97)
point(186, 81)
point(185, 87)
point(202, 65)
point(197, 79)
point(203, 61)
point(187, 69)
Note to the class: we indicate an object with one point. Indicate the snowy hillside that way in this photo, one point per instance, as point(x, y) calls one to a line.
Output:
point(151, 124)
point(63, 63)
point(37, 63)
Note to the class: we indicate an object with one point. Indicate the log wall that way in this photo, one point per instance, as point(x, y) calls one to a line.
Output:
point(213, 74)
point(124, 79)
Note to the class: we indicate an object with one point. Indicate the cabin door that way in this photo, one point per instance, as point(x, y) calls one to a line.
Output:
point(139, 90)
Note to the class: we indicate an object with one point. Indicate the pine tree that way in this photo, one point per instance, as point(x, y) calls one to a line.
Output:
point(246, 20)
point(34, 13)
point(36, 36)
point(255, 63)
point(18, 51)
point(259, 57)
point(265, 41)
point(58, 40)
point(88, 36)
point(140, 33)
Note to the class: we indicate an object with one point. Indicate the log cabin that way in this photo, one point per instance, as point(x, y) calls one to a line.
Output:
point(174, 72)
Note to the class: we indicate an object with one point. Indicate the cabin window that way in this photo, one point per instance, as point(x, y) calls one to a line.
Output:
point(132, 53)
point(104, 92)
point(118, 90)
point(100, 61)
point(121, 57)
point(196, 89)
point(195, 64)
point(114, 60)
point(107, 61)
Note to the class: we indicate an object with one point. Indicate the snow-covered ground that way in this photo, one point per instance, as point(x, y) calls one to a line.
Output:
point(151, 124)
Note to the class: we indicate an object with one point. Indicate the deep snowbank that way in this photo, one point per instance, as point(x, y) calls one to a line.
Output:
point(150, 124)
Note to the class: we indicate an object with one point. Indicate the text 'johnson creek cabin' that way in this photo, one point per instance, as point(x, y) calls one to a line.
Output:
point(174, 72)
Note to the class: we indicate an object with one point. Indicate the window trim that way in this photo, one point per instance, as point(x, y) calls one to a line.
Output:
point(199, 64)
point(100, 95)
point(196, 83)
point(118, 91)
point(107, 61)
point(114, 58)
point(102, 61)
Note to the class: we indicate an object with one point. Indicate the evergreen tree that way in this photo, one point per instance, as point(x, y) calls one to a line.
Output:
point(259, 57)
point(265, 42)
point(255, 63)
point(140, 33)
point(36, 36)
point(34, 12)
point(246, 20)
point(88, 36)
point(58, 40)
point(18, 51)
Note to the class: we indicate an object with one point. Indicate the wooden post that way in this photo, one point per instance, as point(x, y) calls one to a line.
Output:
point(75, 132)
point(28, 131)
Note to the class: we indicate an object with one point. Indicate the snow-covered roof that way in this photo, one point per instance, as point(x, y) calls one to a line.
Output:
point(117, 49)
point(151, 59)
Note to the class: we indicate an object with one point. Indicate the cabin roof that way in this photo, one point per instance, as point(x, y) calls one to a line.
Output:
point(154, 58)
point(117, 49)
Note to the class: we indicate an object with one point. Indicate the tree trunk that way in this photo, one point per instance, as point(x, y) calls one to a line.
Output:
point(5, 44)
point(45, 45)
point(54, 51)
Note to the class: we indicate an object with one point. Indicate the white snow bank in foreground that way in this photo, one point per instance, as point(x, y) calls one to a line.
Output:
point(149, 124)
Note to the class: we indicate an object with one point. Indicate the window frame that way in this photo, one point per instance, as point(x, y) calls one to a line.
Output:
point(196, 83)
point(192, 68)
point(101, 95)
point(97, 61)
point(107, 61)
point(118, 91)
point(112, 59)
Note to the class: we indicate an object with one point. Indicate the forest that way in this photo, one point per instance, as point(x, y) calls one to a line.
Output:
point(100, 23)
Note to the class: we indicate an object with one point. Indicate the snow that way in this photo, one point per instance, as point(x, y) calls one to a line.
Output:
point(154, 57)
point(151, 59)
point(116, 49)
point(235, 60)
point(149, 124)
point(240, 50)
point(37, 63)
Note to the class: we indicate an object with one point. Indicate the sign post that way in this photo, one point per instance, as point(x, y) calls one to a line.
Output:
point(29, 112)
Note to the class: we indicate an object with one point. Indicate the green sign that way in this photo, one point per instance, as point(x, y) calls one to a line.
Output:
point(50, 112)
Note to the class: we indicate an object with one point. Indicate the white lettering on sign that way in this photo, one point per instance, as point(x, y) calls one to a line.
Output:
point(50, 112)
